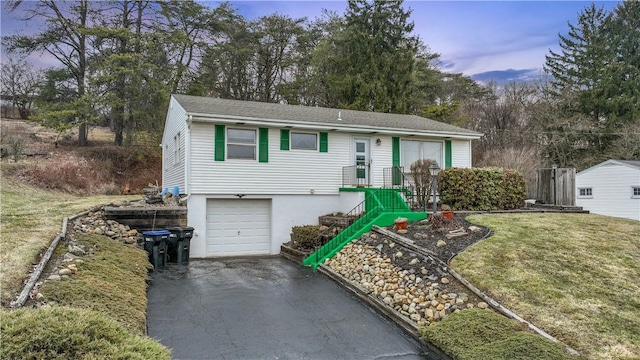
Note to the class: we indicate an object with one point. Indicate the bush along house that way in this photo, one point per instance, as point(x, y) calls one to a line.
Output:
point(251, 171)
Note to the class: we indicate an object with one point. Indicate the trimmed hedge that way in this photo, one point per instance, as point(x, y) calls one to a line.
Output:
point(481, 189)
point(68, 333)
point(477, 334)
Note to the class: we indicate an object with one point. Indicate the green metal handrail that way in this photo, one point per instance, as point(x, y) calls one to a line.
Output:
point(375, 204)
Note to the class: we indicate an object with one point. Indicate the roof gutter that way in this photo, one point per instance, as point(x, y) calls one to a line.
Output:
point(240, 120)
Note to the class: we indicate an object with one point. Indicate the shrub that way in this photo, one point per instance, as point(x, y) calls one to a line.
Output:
point(422, 180)
point(439, 223)
point(484, 334)
point(112, 280)
point(15, 145)
point(481, 188)
point(67, 333)
point(514, 189)
point(306, 236)
point(69, 174)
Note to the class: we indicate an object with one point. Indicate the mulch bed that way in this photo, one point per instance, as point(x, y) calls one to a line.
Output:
point(423, 236)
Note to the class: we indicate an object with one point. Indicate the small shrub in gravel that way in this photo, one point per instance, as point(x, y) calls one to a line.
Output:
point(305, 236)
point(439, 223)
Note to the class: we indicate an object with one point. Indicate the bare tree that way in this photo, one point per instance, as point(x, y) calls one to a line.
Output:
point(20, 82)
point(64, 37)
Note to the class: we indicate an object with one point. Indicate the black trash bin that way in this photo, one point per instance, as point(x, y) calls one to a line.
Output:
point(155, 243)
point(180, 243)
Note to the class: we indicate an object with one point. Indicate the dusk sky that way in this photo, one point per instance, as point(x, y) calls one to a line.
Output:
point(472, 37)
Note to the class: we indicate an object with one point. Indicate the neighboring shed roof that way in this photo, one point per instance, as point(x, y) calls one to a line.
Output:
point(635, 164)
point(204, 107)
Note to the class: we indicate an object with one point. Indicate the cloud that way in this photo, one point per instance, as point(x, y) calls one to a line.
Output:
point(504, 76)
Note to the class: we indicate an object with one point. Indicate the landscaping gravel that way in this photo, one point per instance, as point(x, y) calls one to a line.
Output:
point(415, 285)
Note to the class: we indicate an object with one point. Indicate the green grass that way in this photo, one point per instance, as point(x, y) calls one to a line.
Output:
point(99, 313)
point(573, 275)
point(66, 333)
point(112, 280)
point(477, 334)
point(29, 220)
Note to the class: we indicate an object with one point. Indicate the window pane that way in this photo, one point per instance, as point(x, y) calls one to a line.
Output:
point(241, 136)
point(410, 153)
point(304, 141)
point(360, 147)
point(241, 152)
point(585, 192)
point(432, 150)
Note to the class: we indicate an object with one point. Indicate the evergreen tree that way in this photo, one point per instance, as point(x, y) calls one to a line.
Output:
point(595, 85)
point(375, 57)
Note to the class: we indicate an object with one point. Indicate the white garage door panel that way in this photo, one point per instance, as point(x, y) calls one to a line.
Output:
point(238, 227)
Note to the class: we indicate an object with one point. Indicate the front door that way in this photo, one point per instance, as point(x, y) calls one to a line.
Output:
point(362, 161)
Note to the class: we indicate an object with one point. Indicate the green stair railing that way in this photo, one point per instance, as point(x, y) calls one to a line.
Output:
point(380, 207)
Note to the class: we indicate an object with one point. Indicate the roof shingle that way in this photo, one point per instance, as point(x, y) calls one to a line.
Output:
point(315, 115)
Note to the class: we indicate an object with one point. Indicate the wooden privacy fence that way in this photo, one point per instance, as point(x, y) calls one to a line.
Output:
point(558, 190)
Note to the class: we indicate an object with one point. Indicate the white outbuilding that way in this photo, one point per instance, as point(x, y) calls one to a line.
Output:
point(610, 188)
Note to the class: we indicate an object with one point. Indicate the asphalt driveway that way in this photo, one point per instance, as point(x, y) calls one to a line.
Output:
point(266, 308)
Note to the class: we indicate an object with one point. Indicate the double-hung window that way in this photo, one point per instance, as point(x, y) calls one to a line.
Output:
point(635, 192)
point(304, 141)
point(241, 144)
point(177, 144)
point(586, 192)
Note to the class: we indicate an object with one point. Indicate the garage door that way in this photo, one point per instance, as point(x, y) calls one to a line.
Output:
point(238, 227)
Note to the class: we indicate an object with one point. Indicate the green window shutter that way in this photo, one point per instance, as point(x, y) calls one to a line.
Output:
point(263, 140)
point(447, 153)
point(324, 142)
point(395, 151)
point(395, 160)
point(284, 139)
point(219, 143)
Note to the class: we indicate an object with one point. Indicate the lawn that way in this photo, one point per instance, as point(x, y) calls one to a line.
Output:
point(29, 220)
point(576, 276)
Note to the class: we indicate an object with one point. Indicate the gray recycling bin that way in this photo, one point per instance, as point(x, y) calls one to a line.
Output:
point(179, 244)
point(155, 243)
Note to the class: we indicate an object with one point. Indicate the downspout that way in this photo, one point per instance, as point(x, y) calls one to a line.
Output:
point(187, 159)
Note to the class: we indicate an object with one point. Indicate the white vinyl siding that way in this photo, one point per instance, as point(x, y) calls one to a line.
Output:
point(174, 145)
point(461, 153)
point(611, 185)
point(287, 172)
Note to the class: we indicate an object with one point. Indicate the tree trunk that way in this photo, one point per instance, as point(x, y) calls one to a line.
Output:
point(83, 135)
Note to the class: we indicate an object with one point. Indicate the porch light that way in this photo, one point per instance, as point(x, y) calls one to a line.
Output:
point(378, 141)
point(433, 170)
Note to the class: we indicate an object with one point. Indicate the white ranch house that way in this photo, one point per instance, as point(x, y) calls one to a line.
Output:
point(610, 188)
point(251, 171)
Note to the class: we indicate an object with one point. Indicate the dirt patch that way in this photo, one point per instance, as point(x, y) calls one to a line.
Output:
point(51, 160)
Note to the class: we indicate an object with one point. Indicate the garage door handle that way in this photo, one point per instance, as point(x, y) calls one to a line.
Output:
point(238, 232)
